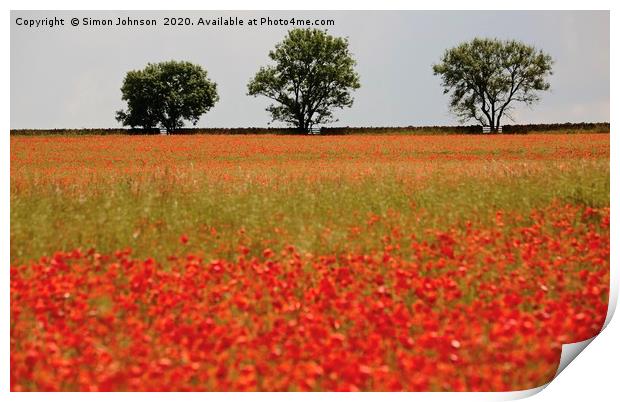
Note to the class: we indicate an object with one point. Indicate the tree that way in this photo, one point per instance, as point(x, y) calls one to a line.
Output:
point(166, 94)
point(313, 74)
point(487, 76)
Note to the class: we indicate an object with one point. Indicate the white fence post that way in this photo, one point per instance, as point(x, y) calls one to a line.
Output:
point(487, 129)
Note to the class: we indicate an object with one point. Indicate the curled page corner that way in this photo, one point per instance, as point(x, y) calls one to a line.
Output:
point(569, 352)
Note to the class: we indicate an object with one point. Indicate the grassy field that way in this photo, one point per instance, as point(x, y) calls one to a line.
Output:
point(143, 193)
point(267, 262)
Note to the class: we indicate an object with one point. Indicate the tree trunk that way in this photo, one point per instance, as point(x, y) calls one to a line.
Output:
point(170, 128)
point(301, 125)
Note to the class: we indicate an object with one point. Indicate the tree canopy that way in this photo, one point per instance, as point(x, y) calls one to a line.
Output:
point(487, 76)
point(165, 94)
point(313, 75)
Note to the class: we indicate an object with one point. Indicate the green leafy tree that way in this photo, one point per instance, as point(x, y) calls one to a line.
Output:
point(313, 75)
point(486, 77)
point(166, 94)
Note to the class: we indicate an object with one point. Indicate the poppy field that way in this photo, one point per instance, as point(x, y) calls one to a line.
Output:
point(296, 263)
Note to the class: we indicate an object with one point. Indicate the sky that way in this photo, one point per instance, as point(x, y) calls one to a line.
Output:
point(70, 76)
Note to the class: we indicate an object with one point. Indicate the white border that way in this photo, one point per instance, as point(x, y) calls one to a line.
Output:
point(592, 375)
point(310, 5)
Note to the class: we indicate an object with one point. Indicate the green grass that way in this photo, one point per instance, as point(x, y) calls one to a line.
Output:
point(316, 217)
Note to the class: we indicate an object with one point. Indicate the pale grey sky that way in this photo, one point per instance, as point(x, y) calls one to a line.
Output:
point(70, 77)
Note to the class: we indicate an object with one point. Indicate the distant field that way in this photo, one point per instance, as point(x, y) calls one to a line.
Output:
point(371, 262)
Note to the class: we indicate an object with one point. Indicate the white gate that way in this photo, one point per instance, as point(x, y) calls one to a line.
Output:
point(487, 129)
